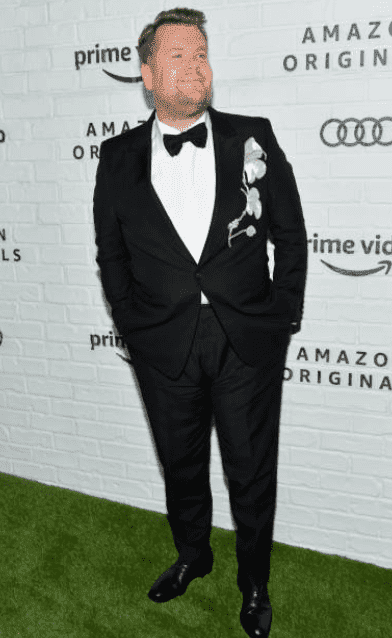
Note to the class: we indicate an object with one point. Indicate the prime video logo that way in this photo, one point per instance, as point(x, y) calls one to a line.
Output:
point(98, 56)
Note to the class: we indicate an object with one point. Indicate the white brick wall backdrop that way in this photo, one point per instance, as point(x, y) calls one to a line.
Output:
point(71, 415)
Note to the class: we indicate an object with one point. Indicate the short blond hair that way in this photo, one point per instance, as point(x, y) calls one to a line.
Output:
point(146, 42)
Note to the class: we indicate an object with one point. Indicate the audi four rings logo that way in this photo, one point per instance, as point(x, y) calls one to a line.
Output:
point(351, 132)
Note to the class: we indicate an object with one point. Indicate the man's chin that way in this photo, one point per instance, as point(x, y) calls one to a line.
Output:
point(185, 105)
point(192, 104)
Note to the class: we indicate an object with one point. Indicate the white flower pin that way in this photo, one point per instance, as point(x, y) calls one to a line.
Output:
point(254, 167)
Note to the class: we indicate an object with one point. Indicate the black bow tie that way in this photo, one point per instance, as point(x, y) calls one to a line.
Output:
point(197, 135)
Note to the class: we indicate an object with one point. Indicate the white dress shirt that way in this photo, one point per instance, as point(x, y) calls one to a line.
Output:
point(185, 184)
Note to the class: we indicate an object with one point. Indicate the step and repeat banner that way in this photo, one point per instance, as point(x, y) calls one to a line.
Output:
point(71, 412)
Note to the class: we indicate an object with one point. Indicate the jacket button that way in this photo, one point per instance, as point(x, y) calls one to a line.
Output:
point(198, 275)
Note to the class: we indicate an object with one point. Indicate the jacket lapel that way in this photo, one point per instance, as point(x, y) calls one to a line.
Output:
point(229, 158)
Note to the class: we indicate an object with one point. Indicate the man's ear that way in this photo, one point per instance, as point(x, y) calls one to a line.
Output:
point(147, 76)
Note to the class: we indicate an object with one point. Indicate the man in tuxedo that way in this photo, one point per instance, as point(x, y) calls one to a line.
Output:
point(183, 205)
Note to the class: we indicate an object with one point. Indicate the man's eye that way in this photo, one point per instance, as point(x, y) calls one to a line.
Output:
point(178, 55)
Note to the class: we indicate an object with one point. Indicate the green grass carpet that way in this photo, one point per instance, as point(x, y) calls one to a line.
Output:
point(75, 566)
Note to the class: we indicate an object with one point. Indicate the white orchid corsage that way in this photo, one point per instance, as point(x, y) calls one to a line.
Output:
point(254, 167)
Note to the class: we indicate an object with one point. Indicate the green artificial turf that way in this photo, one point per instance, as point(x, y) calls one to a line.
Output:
point(76, 566)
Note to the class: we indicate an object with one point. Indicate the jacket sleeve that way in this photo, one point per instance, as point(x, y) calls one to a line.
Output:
point(112, 257)
point(287, 228)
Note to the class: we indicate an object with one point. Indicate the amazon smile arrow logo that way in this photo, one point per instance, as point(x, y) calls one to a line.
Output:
point(360, 273)
point(122, 78)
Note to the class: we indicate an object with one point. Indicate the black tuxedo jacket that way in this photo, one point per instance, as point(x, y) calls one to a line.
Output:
point(151, 280)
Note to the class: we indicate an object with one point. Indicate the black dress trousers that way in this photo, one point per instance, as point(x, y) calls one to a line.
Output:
point(245, 401)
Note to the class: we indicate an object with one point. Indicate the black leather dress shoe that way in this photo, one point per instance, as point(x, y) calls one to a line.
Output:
point(175, 580)
point(256, 612)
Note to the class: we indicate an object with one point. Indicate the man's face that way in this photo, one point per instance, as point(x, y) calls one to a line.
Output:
point(180, 76)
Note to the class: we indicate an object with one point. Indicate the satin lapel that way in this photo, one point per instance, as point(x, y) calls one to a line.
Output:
point(229, 157)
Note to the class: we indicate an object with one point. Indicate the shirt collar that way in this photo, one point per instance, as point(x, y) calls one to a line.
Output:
point(161, 127)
